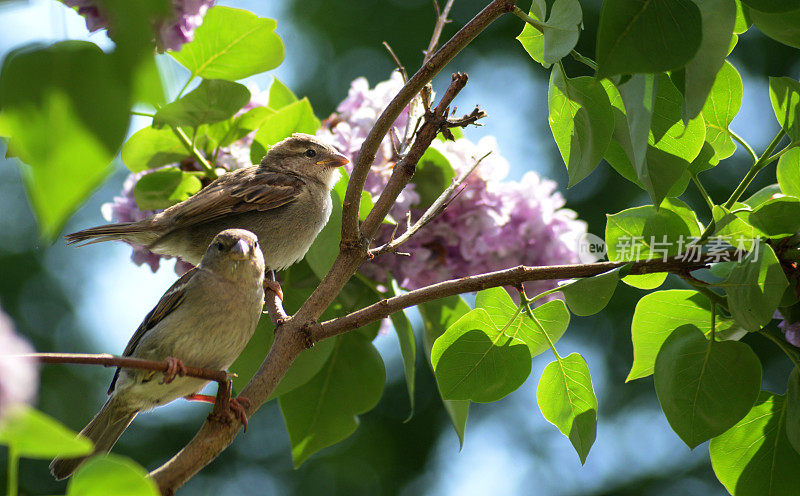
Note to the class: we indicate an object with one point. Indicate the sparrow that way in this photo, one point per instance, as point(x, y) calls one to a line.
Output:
point(285, 201)
point(203, 320)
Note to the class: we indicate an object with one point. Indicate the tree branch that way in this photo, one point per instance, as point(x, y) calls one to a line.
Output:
point(294, 335)
point(508, 277)
point(126, 362)
point(441, 20)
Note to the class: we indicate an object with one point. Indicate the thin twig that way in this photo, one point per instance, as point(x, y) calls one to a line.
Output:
point(399, 64)
point(107, 360)
point(352, 240)
point(441, 20)
point(436, 209)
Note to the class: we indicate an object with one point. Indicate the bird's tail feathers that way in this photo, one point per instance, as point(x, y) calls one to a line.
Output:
point(133, 232)
point(104, 430)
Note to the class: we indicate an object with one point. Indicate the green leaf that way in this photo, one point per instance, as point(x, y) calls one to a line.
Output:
point(652, 146)
point(566, 399)
point(531, 39)
point(297, 117)
point(212, 101)
point(231, 44)
point(433, 175)
point(225, 132)
point(644, 232)
point(718, 20)
point(722, 106)
point(743, 20)
point(733, 229)
point(784, 93)
point(590, 295)
point(793, 410)
point(755, 287)
point(280, 95)
point(658, 314)
point(111, 474)
point(562, 29)
point(476, 360)
point(437, 316)
point(779, 217)
point(581, 120)
point(324, 411)
point(304, 368)
point(754, 457)
point(773, 6)
point(33, 434)
point(653, 36)
point(707, 159)
point(164, 188)
point(66, 124)
point(646, 281)
point(150, 148)
point(552, 316)
point(789, 172)
point(784, 28)
point(408, 347)
point(762, 195)
point(701, 395)
point(560, 32)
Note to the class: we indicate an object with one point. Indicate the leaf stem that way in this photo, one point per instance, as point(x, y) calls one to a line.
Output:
point(537, 24)
point(759, 164)
point(180, 93)
point(13, 471)
point(745, 144)
point(143, 114)
point(207, 167)
point(778, 154)
point(713, 320)
point(530, 313)
point(703, 192)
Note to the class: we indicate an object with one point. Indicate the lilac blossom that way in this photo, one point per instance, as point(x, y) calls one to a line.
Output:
point(493, 224)
point(19, 377)
point(170, 33)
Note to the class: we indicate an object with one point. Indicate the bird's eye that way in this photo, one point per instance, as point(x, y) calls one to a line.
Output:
point(310, 153)
point(220, 246)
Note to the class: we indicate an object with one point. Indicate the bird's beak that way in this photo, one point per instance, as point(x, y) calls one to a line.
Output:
point(241, 250)
point(337, 160)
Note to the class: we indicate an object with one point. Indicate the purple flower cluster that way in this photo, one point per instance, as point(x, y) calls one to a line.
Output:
point(19, 377)
point(493, 224)
point(170, 33)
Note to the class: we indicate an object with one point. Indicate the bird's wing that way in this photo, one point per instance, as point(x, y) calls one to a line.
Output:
point(243, 190)
point(165, 306)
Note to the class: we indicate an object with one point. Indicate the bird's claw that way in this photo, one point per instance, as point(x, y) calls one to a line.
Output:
point(238, 407)
point(275, 287)
point(174, 368)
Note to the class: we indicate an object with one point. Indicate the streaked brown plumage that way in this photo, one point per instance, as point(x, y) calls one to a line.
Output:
point(204, 320)
point(285, 201)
